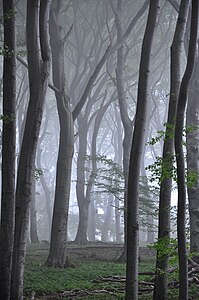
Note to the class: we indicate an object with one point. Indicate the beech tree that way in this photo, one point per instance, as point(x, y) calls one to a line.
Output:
point(8, 149)
point(126, 120)
point(38, 51)
point(181, 181)
point(57, 254)
point(192, 146)
point(136, 154)
point(161, 285)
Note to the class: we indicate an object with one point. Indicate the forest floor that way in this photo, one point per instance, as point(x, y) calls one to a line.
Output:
point(94, 274)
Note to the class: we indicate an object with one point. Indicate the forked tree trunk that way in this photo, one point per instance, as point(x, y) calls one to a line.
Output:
point(8, 150)
point(181, 212)
point(136, 154)
point(161, 281)
point(57, 254)
point(39, 68)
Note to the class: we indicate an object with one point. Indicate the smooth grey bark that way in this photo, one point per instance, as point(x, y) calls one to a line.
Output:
point(8, 150)
point(126, 121)
point(33, 216)
point(57, 253)
point(107, 220)
point(118, 232)
point(83, 203)
point(118, 159)
point(181, 181)
point(136, 154)
point(192, 146)
point(47, 192)
point(161, 281)
point(91, 221)
point(150, 229)
point(38, 50)
point(149, 211)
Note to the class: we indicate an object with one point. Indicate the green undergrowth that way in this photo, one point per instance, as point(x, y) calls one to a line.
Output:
point(40, 278)
point(50, 283)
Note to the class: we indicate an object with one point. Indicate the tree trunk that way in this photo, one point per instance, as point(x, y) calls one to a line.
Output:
point(92, 221)
point(161, 284)
point(39, 68)
point(117, 222)
point(57, 254)
point(150, 229)
point(83, 202)
point(33, 216)
point(108, 216)
point(81, 237)
point(8, 150)
point(181, 181)
point(98, 120)
point(47, 194)
point(192, 140)
point(126, 121)
point(136, 155)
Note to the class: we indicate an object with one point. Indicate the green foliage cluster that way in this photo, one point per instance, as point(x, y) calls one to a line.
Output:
point(9, 15)
point(5, 51)
point(165, 246)
point(192, 178)
point(168, 133)
point(110, 179)
point(38, 173)
point(163, 168)
point(7, 118)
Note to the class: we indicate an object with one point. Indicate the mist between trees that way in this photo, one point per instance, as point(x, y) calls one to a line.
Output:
point(99, 132)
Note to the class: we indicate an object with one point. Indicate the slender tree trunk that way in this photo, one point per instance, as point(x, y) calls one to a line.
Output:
point(83, 202)
point(93, 174)
point(39, 68)
point(33, 216)
point(47, 194)
point(192, 146)
point(161, 283)
point(92, 221)
point(57, 254)
point(117, 222)
point(136, 154)
point(126, 121)
point(150, 229)
point(108, 216)
point(181, 213)
point(8, 150)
